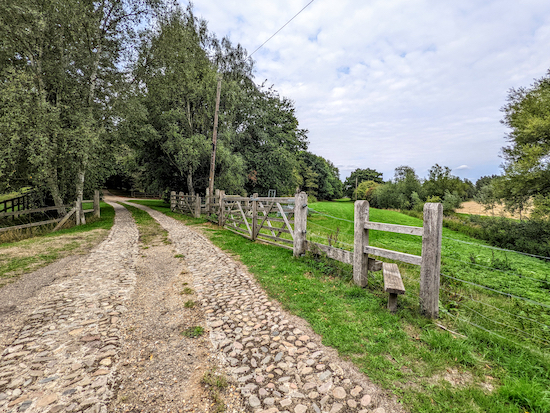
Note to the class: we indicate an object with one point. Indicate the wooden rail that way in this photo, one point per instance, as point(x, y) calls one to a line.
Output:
point(429, 261)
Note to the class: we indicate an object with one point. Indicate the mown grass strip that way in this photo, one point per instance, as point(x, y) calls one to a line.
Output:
point(149, 229)
point(429, 369)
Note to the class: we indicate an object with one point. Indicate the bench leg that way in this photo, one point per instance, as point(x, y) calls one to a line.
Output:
point(392, 303)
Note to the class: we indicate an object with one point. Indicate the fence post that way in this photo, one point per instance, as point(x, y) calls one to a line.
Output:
point(180, 201)
point(78, 211)
point(221, 213)
point(97, 211)
point(431, 259)
point(300, 224)
point(254, 216)
point(197, 206)
point(173, 201)
point(360, 241)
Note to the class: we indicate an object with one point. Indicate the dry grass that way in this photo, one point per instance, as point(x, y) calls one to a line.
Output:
point(28, 255)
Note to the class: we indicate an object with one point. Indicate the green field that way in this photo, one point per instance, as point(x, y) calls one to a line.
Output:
point(482, 367)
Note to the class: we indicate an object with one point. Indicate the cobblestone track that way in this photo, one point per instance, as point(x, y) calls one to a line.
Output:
point(64, 358)
point(278, 367)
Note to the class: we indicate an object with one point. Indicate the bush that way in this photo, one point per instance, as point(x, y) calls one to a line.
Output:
point(451, 202)
point(530, 236)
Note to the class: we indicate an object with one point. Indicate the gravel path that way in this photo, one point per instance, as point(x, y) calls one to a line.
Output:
point(277, 360)
point(64, 357)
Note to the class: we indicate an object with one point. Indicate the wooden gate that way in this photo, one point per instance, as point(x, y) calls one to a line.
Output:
point(267, 219)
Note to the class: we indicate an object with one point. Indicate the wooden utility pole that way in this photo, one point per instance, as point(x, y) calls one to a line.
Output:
point(214, 139)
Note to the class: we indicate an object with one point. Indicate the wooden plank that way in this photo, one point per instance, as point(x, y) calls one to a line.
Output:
point(275, 244)
point(34, 224)
point(392, 279)
point(244, 219)
point(431, 259)
point(275, 219)
point(334, 253)
point(361, 240)
point(280, 230)
point(255, 229)
point(266, 215)
point(291, 232)
point(276, 238)
point(65, 219)
point(399, 229)
point(30, 211)
point(239, 231)
point(236, 221)
point(394, 255)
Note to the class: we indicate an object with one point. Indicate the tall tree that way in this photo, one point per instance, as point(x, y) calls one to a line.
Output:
point(358, 176)
point(527, 157)
point(73, 50)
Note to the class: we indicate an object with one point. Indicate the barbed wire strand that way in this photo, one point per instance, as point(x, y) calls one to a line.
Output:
point(496, 248)
point(496, 269)
point(496, 308)
point(497, 291)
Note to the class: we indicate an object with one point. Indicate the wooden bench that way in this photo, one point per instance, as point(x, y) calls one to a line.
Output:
point(393, 284)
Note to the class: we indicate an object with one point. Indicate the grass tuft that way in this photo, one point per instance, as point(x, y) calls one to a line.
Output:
point(193, 332)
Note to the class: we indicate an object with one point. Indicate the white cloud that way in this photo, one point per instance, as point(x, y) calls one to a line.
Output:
point(386, 83)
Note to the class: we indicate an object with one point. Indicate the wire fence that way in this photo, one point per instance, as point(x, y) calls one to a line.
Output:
point(508, 315)
point(497, 248)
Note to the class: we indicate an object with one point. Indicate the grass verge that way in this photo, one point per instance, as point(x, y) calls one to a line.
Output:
point(24, 256)
point(149, 229)
point(429, 369)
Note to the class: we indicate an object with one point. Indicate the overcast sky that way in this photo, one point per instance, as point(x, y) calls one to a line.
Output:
point(384, 83)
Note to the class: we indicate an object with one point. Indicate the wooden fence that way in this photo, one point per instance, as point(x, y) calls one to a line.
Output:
point(18, 203)
point(60, 220)
point(282, 221)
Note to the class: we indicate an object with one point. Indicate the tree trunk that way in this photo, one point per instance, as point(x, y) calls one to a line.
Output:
point(56, 195)
point(81, 219)
point(190, 182)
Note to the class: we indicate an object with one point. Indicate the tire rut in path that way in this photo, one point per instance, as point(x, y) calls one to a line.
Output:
point(64, 358)
point(277, 360)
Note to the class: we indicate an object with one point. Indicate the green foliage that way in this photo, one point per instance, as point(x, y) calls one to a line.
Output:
point(317, 176)
point(527, 114)
point(358, 176)
point(65, 88)
point(397, 194)
point(365, 190)
point(486, 196)
point(440, 181)
point(451, 201)
point(193, 332)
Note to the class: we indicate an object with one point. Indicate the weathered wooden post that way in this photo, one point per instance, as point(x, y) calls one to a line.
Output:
point(431, 259)
point(361, 240)
point(97, 211)
point(254, 216)
point(197, 206)
point(221, 203)
point(180, 200)
point(173, 201)
point(300, 224)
